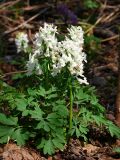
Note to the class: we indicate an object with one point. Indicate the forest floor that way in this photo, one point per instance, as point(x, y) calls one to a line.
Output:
point(101, 70)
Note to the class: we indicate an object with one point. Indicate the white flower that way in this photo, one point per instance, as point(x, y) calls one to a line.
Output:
point(76, 34)
point(22, 42)
point(33, 65)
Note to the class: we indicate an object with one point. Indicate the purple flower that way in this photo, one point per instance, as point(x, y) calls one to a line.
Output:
point(67, 13)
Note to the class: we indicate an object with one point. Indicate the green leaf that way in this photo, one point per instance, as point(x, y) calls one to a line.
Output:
point(61, 136)
point(94, 100)
point(91, 4)
point(4, 139)
point(51, 96)
point(41, 145)
point(116, 149)
point(17, 76)
point(100, 108)
point(56, 123)
point(40, 125)
point(48, 147)
point(25, 113)
point(41, 91)
point(100, 120)
point(8, 120)
point(21, 104)
point(113, 129)
point(77, 132)
point(57, 143)
point(61, 109)
point(84, 136)
point(30, 100)
point(6, 133)
point(72, 131)
point(52, 116)
point(20, 136)
point(51, 90)
point(83, 129)
point(32, 92)
point(81, 96)
point(44, 125)
point(37, 113)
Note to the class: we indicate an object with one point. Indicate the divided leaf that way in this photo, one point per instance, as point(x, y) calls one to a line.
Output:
point(113, 129)
point(5, 133)
point(21, 104)
point(37, 113)
point(49, 147)
point(12, 121)
point(20, 136)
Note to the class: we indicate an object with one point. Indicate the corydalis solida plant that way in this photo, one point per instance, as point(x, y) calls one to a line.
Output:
point(60, 55)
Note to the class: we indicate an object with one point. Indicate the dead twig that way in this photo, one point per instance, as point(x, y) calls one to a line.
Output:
point(11, 73)
point(93, 26)
point(9, 19)
point(111, 16)
point(25, 23)
point(110, 38)
point(31, 8)
point(8, 4)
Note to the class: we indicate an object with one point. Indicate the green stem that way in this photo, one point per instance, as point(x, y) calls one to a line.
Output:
point(71, 108)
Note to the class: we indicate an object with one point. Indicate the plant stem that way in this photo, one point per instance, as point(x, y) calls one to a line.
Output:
point(71, 108)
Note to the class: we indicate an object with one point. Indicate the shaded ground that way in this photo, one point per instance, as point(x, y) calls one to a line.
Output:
point(75, 151)
point(102, 71)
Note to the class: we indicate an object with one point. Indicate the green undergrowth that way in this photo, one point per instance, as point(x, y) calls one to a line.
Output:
point(40, 114)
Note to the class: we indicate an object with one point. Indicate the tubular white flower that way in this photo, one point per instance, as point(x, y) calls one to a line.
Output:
point(22, 42)
point(33, 65)
point(76, 34)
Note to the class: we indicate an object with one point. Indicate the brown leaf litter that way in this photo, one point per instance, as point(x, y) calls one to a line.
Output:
point(14, 152)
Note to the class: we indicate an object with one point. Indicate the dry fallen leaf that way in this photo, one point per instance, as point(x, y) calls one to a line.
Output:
point(14, 152)
point(90, 149)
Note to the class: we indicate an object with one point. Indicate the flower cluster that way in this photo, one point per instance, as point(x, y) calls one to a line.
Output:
point(45, 40)
point(68, 52)
point(22, 42)
point(71, 53)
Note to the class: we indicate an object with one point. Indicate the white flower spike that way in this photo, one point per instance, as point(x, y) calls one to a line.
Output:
point(22, 42)
point(67, 52)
